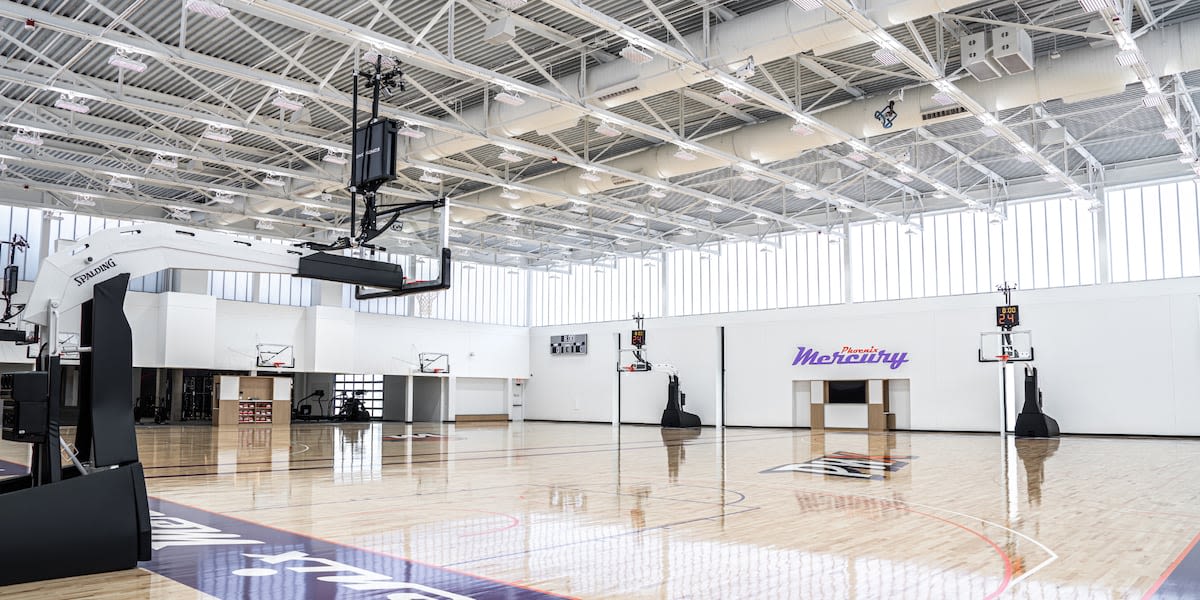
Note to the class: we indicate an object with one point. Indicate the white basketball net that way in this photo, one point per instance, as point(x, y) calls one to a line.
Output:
point(425, 304)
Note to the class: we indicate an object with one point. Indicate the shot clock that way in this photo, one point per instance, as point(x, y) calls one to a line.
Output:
point(1008, 317)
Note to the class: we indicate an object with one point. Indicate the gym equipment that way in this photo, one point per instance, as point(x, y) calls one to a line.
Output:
point(97, 509)
point(1011, 346)
point(353, 408)
point(673, 415)
point(303, 412)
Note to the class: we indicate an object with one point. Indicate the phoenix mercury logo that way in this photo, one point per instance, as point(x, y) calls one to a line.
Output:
point(86, 276)
point(850, 356)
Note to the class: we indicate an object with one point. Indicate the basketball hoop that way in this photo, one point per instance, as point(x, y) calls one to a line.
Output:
point(425, 304)
point(278, 364)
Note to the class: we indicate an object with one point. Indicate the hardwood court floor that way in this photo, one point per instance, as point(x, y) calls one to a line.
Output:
point(637, 512)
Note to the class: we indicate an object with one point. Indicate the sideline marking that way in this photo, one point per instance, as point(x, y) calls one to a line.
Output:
point(235, 559)
point(1174, 583)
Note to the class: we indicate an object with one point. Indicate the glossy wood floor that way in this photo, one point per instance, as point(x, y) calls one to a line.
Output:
point(592, 511)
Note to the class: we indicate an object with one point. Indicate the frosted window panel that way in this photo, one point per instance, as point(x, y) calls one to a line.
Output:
point(1037, 238)
point(1022, 226)
point(857, 291)
point(1135, 234)
point(1071, 223)
point(967, 231)
point(879, 232)
point(954, 251)
point(1189, 229)
point(1152, 227)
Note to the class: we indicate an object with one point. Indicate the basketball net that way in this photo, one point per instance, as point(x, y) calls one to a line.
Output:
point(425, 304)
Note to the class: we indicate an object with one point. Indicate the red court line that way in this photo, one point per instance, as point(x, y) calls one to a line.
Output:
point(1171, 568)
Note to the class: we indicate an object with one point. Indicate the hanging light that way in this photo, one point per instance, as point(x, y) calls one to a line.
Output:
point(335, 157)
point(123, 61)
point(801, 128)
point(886, 57)
point(511, 4)
point(84, 200)
point(590, 175)
point(636, 55)
point(428, 177)
point(310, 212)
point(509, 194)
point(509, 156)
point(942, 99)
point(181, 214)
point(386, 62)
point(221, 197)
point(607, 129)
point(287, 103)
point(273, 180)
point(730, 97)
point(207, 8)
point(217, 134)
point(66, 102)
point(509, 97)
point(714, 208)
point(163, 161)
point(264, 225)
point(657, 192)
point(684, 154)
point(25, 136)
point(410, 131)
point(120, 183)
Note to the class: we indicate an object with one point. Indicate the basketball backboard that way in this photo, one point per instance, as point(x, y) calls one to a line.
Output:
point(1010, 346)
point(275, 356)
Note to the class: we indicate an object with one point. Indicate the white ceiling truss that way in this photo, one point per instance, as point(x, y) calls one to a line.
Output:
point(703, 150)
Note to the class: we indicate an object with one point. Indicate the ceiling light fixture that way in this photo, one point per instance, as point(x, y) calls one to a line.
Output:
point(273, 180)
point(607, 129)
point(66, 102)
point(84, 200)
point(511, 4)
point(509, 97)
point(714, 208)
point(800, 128)
point(310, 212)
point(264, 225)
point(636, 55)
point(428, 177)
point(683, 154)
point(685, 232)
point(589, 175)
point(747, 174)
point(181, 214)
point(286, 103)
point(1094, 5)
point(509, 156)
point(125, 62)
point(657, 192)
point(217, 134)
point(207, 8)
point(163, 161)
point(120, 183)
point(730, 97)
point(509, 194)
point(222, 197)
point(940, 195)
point(942, 99)
point(1128, 58)
point(25, 136)
point(410, 131)
point(808, 5)
point(335, 157)
point(885, 57)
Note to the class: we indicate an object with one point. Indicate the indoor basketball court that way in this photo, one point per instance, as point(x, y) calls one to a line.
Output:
point(628, 299)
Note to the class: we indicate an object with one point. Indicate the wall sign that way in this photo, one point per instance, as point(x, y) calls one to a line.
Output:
point(850, 356)
point(568, 344)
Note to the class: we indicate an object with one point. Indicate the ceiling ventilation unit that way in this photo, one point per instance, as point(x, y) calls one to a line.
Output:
point(500, 31)
point(977, 56)
point(1012, 48)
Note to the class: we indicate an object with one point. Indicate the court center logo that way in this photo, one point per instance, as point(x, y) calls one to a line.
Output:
point(419, 437)
point(847, 464)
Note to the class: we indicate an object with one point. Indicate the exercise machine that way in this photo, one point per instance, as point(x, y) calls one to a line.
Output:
point(1009, 347)
point(303, 412)
point(96, 508)
point(353, 408)
point(673, 414)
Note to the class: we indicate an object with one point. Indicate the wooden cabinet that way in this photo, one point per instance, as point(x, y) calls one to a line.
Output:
point(253, 400)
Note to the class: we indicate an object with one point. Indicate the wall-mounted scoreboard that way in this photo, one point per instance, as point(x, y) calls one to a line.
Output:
point(568, 344)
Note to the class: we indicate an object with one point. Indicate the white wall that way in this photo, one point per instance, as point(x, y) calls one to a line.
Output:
point(194, 331)
point(1121, 358)
point(480, 396)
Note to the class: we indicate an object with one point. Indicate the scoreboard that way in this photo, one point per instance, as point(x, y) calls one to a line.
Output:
point(1008, 317)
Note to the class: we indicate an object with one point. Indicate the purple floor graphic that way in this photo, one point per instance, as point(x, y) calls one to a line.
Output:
point(233, 559)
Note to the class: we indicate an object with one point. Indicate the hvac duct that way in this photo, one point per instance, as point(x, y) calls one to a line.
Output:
point(1080, 74)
